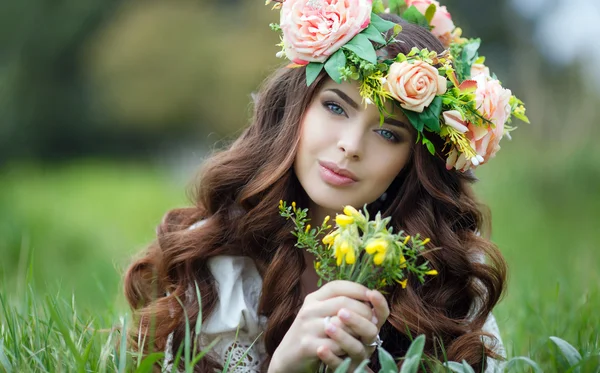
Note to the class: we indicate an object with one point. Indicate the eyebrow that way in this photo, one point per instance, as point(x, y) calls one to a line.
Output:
point(344, 97)
point(397, 123)
point(351, 102)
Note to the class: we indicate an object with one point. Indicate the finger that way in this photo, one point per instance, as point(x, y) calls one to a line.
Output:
point(363, 329)
point(335, 320)
point(331, 307)
point(340, 288)
point(328, 357)
point(352, 346)
point(310, 345)
point(380, 306)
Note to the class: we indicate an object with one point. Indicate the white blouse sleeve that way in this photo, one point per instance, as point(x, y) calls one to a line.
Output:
point(238, 286)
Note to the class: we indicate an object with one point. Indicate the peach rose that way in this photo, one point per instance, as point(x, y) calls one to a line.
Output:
point(479, 68)
point(414, 85)
point(441, 22)
point(493, 104)
point(315, 29)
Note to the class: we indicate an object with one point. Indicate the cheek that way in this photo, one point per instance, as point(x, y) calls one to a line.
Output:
point(314, 135)
point(386, 167)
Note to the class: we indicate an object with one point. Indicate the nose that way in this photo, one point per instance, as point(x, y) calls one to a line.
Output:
point(351, 142)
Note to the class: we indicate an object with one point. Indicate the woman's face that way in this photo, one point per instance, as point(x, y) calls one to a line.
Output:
point(345, 157)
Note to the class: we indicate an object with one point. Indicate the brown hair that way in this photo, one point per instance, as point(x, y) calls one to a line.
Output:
point(238, 196)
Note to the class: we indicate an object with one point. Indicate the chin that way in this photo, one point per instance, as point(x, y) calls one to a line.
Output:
point(332, 199)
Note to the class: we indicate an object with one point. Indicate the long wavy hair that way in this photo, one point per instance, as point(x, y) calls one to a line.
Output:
point(237, 194)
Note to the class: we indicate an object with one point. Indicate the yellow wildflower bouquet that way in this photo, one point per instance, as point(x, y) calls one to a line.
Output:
point(359, 249)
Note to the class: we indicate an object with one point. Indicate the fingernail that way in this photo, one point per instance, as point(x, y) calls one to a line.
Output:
point(344, 314)
point(374, 320)
point(331, 328)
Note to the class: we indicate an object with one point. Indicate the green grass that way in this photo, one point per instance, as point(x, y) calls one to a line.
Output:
point(79, 225)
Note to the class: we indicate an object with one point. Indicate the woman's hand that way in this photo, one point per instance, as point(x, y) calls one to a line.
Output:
point(362, 332)
point(298, 349)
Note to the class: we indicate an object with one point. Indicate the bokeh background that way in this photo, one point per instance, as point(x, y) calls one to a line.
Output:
point(107, 108)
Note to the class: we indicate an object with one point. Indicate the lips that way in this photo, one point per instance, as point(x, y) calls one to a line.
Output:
point(334, 168)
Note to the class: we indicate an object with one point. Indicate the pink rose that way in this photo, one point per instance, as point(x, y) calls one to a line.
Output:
point(315, 29)
point(441, 22)
point(492, 100)
point(414, 85)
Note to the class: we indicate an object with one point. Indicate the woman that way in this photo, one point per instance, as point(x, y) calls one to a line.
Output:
point(324, 147)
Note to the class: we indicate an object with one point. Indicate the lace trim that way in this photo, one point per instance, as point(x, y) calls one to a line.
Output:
point(244, 358)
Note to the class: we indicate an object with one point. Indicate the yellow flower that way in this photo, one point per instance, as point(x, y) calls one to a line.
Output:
point(294, 206)
point(317, 265)
point(326, 219)
point(406, 240)
point(343, 220)
point(328, 239)
point(379, 258)
point(403, 283)
point(307, 228)
point(432, 272)
point(350, 257)
point(345, 247)
point(402, 261)
point(351, 211)
point(339, 258)
point(426, 241)
point(280, 203)
point(378, 245)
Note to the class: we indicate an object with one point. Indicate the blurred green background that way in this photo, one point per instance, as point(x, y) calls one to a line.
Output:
point(107, 108)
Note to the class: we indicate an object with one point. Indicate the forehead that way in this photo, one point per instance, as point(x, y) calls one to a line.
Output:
point(352, 90)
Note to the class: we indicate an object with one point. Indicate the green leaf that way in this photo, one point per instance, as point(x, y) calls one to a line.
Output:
point(363, 48)
point(378, 6)
point(388, 365)
point(413, 15)
point(313, 70)
point(431, 115)
point(397, 6)
point(455, 367)
point(513, 362)
point(572, 356)
point(3, 359)
point(416, 347)
point(468, 56)
point(373, 33)
point(410, 365)
point(414, 119)
point(362, 366)
point(429, 145)
point(149, 361)
point(467, 368)
point(343, 367)
point(430, 12)
point(381, 24)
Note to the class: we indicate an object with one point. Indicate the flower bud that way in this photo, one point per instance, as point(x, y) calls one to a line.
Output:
point(351, 211)
point(350, 257)
point(402, 261)
point(379, 258)
point(403, 283)
point(345, 247)
point(378, 245)
point(343, 220)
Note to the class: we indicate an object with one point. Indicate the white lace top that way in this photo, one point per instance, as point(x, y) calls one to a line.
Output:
point(239, 285)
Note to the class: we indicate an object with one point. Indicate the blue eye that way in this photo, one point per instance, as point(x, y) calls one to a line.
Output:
point(335, 108)
point(388, 135)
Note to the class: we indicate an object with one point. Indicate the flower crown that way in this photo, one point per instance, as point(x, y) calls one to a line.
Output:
point(452, 94)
